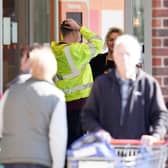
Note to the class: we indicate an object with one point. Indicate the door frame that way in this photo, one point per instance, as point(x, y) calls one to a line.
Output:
point(54, 20)
point(1, 47)
point(128, 20)
point(56, 23)
point(148, 35)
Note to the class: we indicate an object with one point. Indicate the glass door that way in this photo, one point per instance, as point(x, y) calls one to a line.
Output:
point(1, 56)
point(40, 21)
point(138, 17)
point(15, 36)
point(24, 22)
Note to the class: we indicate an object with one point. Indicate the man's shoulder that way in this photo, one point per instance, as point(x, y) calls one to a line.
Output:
point(21, 78)
point(100, 56)
point(53, 43)
point(42, 87)
point(144, 75)
point(147, 79)
point(59, 93)
point(105, 78)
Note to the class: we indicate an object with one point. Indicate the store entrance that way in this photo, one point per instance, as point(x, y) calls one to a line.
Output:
point(25, 22)
point(15, 36)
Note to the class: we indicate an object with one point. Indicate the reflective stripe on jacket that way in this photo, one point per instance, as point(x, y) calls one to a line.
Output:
point(74, 74)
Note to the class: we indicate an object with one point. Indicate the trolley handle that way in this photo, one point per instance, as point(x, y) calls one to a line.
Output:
point(133, 142)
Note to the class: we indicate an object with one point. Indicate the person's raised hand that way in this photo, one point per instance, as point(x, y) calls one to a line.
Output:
point(71, 24)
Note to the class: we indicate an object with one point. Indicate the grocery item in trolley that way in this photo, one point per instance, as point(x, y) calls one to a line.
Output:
point(91, 151)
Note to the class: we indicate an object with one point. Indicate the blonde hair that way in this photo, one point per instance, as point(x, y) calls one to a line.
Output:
point(113, 30)
point(43, 62)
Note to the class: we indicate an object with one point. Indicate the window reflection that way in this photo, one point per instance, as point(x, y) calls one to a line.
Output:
point(41, 21)
point(138, 24)
point(138, 20)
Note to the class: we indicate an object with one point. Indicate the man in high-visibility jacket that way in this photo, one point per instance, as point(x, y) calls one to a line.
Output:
point(74, 74)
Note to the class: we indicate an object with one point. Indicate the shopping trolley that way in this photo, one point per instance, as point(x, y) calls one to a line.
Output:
point(132, 154)
point(123, 154)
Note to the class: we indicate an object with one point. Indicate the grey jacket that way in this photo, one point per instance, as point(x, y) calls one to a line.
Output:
point(27, 113)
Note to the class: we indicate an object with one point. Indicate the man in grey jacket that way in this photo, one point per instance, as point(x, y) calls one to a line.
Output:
point(126, 103)
point(33, 123)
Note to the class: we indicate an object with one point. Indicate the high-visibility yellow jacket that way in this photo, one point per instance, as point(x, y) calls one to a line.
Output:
point(74, 74)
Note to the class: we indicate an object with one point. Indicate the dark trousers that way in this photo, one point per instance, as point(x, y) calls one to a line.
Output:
point(74, 120)
point(19, 165)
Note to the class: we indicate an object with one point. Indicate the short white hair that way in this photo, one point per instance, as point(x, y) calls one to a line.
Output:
point(131, 43)
point(43, 61)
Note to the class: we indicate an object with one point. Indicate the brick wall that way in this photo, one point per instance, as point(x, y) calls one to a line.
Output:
point(160, 43)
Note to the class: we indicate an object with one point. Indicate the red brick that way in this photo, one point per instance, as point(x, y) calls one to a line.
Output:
point(160, 51)
point(165, 90)
point(159, 12)
point(159, 79)
point(165, 22)
point(165, 81)
point(165, 3)
point(166, 100)
point(160, 32)
point(156, 3)
point(159, 71)
point(165, 42)
point(166, 61)
point(156, 42)
point(156, 23)
point(156, 61)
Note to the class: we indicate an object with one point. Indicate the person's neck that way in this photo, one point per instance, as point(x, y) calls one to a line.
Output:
point(45, 78)
point(109, 56)
point(68, 39)
point(126, 76)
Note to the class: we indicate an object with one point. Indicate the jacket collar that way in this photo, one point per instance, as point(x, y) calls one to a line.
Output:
point(112, 75)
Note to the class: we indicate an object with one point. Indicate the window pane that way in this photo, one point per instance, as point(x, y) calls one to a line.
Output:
point(138, 23)
point(41, 23)
point(138, 20)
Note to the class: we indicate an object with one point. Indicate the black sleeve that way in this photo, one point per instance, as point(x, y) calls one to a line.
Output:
point(97, 65)
point(93, 67)
point(158, 112)
point(90, 111)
